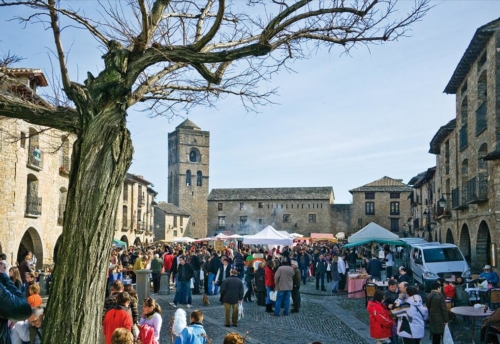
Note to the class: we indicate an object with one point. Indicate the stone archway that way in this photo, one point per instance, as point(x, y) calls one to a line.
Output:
point(449, 237)
point(464, 243)
point(56, 247)
point(137, 242)
point(483, 243)
point(124, 238)
point(31, 242)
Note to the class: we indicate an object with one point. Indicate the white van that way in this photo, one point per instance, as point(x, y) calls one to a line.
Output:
point(432, 260)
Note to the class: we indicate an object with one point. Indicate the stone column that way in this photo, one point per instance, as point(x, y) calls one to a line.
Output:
point(143, 284)
point(165, 284)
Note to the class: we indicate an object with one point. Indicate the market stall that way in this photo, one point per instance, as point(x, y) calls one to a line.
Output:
point(268, 236)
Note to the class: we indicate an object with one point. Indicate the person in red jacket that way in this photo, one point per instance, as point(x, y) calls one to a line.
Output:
point(269, 281)
point(380, 319)
point(168, 259)
point(449, 290)
point(117, 317)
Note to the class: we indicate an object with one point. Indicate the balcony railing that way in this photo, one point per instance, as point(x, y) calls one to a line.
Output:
point(141, 201)
point(481, 122)
point(459, 199)
point(33, 205)
point(64, 168)
point(35, 158)
point(477, 190)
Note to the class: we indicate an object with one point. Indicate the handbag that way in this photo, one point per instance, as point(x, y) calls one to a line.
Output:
point(240, 311)
point(447, 338)
point(273, 295)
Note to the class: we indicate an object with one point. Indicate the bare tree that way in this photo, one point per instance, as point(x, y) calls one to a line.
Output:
point(168, 55)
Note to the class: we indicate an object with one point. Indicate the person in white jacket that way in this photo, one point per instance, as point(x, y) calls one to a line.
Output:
point(411, 317)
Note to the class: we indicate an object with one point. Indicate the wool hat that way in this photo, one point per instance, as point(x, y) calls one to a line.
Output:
point(234, 272)
point(487, 267)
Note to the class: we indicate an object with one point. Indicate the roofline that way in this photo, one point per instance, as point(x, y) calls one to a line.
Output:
point(476, 46)
point(442, 133)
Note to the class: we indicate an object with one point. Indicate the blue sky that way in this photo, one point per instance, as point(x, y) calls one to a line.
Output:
point(340, 120)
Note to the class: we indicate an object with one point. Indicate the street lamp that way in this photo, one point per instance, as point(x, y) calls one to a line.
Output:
point(442, 202)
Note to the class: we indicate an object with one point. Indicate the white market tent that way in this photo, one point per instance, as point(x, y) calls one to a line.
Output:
point(183, 240)
point(297, 235)
point(373, 233)
point(286, 234)
point(268, 236)
point(221, 236)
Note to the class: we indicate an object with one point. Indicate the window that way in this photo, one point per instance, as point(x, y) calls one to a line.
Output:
point(360, 222)
point(33, 202)
point(175, 232)
point(394, 195)
point(219, 206)
point(394, 225)
point(286, 217)
point(221, 222)
point(243, 222)
point(181, 220)
point(125, 193)
point(369, 195)
point(182, 230)
point(370, 208)
point(192, 156)
point(175, 220)
point(312, 218)
point(261, 221)
point(23, 139)
point(188, 177)
point(261, 205)
point(125, 217)
point(242, 205)
point(199, 178)
point(62, 205)
point(394, 208)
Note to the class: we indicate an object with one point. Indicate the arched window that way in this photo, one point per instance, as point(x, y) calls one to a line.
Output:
point(482, 101)
point(192, 156)
point(465, 178)
point(125, 217)
point(33, 202)
point(464, 115)
point(199, 178)
point(188, 177)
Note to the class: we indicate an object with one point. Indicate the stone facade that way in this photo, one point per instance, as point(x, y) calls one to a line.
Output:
point(34, 165)
point(385, 202)
point(135, 213)
point(468, 151)
point(188, 174)
point(170, 222)
point(424, 209)
point(247, 211)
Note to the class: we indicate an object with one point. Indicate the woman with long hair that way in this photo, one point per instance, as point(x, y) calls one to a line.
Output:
point(151, 316)
point(269, 282)
point(15, 277)
point(134, 302)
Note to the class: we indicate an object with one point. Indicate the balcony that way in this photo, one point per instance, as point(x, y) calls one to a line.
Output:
point(64, 166)
point(141, 201)
point(459, 199)
point(125, 228)
point(481, 123)
point(33, 206)
point(477, 190)
point(35, 158)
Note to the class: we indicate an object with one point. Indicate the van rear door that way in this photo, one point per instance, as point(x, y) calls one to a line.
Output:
point(416, 264)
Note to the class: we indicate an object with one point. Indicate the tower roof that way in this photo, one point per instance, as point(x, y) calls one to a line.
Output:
point(187, 124)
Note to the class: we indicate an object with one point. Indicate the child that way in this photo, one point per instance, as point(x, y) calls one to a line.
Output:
point(449, 289)
point(34, 299)
point(194, 333)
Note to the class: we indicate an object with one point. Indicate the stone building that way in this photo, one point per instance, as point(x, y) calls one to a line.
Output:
point(423, 204)
point(135, 213)
point(188, 173)
point(385, 202)
point(303, 210)
point(34, 165)
point(170, 221)
point(467, 152)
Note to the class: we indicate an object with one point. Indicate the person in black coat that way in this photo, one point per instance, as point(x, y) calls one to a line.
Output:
point(249, 276)
point(213, 267)
point(260, 285)
point(196, 264)
point(374, 268)
point(232, 294)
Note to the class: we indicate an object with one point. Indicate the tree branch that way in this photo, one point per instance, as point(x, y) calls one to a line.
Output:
point(54, 22)
point(197, 46)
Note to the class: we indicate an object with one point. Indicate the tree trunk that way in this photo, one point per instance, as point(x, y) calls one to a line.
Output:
point(101, 157)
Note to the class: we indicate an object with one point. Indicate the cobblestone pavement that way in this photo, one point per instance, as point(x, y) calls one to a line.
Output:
point(322, 317)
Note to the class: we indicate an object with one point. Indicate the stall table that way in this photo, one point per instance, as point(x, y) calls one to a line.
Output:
point(355, 284)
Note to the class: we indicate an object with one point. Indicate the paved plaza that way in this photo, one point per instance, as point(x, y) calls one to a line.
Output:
point(323, 317)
